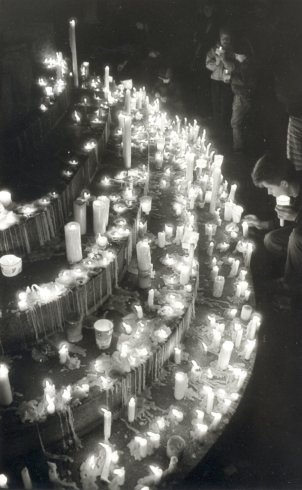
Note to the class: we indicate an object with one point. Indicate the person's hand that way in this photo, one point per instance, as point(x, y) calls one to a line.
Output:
point(255, 222)
point(287, 213)
point(240, 57)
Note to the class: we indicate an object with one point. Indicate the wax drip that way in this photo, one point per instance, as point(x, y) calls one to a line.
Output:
point(75, 437)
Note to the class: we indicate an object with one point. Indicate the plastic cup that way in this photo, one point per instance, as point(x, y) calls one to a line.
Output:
point(103, 333)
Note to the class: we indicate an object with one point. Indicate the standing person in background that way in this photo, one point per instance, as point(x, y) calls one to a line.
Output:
point(220, 60)
point(243, 82)
point(205, 34)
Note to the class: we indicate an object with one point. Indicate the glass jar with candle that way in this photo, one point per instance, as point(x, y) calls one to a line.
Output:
point(74, 325)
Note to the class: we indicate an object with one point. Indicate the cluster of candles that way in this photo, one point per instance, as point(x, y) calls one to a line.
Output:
point(196, 158)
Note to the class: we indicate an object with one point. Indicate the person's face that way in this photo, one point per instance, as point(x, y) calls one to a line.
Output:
point(208, 10)
point(276, 190)
point(225, 40)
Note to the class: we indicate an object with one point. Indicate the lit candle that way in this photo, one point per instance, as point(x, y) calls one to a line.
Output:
point(216, 420)
point(6, 396)
point(143, 446)
point(185, 273)
point(241, 378)
point(146, 203)
point(107, 423)
point(215, 189)
point(210, 249)
point(79, 214)
point(199, 416)
point(232, 192)
point(228, 211)
point(73, 242)
point(246, 312)
point(143, 256)
point(214, 272)
point(157, 473)
point(210, 397)
point(101, 207)
point(200, 431)
point(177, 355)
point(139, 311)
point(106, 78)
point(282, 201)
point(120, 476)
point(249, 348)
point(27, 483)
point(181, 385)
point(151, 298)
point(179, 234)
point(216, 338)
point(239, 335)
point(177, 415)
point(63, 353)
point(154, 439)
point(245, 229)
point(3, 481)
point(5, 198)
point(128, 102)
point(72, 42)
point(237, 213)
point(131, 410)
point(108, 459)
point(127, 142)
point(234, 268)
point(218, 286)
point(168, 231)
point(225, 354)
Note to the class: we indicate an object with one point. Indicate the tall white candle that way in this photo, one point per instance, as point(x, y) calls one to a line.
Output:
point(249, 348)
point(238, 338)
point(245, 229)
point(73, 242)
point(143, 446)
point(108, 459)
point(80, 213)
point(218, 286)
point(181, 385)
point(234, 268)
point(190, 157)
point(131, 409)
point(210, 397)
point(168, 231)
point(179, 234)
point(151, 298)
point(143, 255)
point(127, 142)
point(232, 192)
point(106, 78)
point(107, 423)
point(73, 47)
point(128, 102)
point(27, 483)
point(6, 396)
point(246, 312)
point(225, 354)
point(215, 189)
point(100, 214)
point(161, 237)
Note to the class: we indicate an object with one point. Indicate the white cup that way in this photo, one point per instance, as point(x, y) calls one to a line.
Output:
point(103, 333)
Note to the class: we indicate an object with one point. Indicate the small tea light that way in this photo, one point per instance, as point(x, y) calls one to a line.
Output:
point(156, 473)
point(154, 439)
point(73, 162)
point(177, 415)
